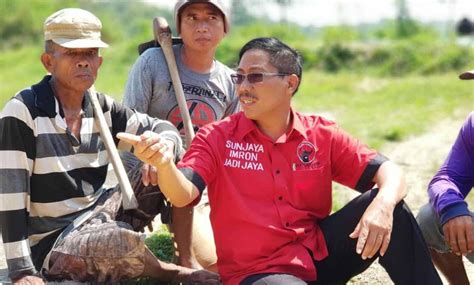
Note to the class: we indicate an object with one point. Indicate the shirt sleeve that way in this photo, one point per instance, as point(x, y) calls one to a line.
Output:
point(139, 86)
point(353, 163)
point(455, 179)
point(17, 152)
point(199, 162)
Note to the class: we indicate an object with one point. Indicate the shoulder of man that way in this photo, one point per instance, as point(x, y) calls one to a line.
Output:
point(26, 96)
point(29, 98)
point(470, 119)
point(224, 68)
point(468, 130)
point(154, 54)
point(323, 120)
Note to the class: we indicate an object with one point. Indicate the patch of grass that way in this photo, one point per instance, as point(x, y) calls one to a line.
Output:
point(161, 244)
point(19, 68)
point(379, 109)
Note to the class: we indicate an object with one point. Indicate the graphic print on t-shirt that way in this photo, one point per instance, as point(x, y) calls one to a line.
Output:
point(193, 90)
point(200, 111)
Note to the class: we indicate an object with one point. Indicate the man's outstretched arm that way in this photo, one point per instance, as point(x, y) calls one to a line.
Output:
point(156, 150)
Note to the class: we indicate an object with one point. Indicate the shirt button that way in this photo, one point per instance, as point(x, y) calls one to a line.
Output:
point(277, 172)
point(280, 198)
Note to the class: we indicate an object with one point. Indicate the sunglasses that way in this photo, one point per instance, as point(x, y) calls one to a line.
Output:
point(239, 78)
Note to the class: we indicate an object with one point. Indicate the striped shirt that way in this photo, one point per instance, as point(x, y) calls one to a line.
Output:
point(48, 178)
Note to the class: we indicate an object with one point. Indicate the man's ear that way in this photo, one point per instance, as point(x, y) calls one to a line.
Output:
point(101, 59)
point(293, 82)
point(47, 60)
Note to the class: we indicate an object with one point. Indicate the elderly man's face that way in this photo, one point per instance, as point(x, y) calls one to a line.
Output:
point(267, 98)
point(73, 68)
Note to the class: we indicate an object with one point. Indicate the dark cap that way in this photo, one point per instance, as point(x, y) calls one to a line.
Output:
point(467, 75)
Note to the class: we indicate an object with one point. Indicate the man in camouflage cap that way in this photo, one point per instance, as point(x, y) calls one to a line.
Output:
point(58, 220)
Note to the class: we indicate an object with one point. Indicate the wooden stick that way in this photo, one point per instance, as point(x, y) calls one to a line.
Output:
point(129, 201)
point(162, 33)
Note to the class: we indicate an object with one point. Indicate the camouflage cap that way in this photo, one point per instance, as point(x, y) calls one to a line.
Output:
point(74, 28)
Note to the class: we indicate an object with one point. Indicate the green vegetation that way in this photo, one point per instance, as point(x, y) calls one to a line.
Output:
point(378, 109)
point(161, 244)
point(381, 83)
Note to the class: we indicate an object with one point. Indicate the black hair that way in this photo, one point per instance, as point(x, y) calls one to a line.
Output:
point(283, 57)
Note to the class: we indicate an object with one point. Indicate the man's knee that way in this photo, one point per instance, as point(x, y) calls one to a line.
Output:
point(105, 253)
point(404, 222)
point(430, 227)
point(427, 219)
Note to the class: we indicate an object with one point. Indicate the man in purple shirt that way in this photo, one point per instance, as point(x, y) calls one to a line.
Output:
point(446, 222)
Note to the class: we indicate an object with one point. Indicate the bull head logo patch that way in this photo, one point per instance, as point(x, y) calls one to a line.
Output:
point(306, 152)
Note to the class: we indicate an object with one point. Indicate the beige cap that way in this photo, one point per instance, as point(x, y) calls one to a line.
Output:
point(74, 28)
point(217, 3)
point(467, 75)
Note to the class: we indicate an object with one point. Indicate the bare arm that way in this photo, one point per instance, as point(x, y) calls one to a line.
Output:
point(375, 227)
point(153, 149)
point(391, 182)
point(177, 188)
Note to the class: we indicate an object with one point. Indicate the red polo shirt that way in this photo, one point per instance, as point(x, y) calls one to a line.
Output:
point(267, 197)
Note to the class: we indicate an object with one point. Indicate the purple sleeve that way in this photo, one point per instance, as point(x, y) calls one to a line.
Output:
point(455, 178)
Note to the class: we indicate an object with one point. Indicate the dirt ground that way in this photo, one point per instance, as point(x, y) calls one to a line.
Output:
point(419, 156)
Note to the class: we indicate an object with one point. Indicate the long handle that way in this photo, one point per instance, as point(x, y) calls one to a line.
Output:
point(162, 33)
point(128, 197)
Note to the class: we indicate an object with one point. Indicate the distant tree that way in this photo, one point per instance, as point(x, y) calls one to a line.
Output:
point(465, 27)
point(406, 27)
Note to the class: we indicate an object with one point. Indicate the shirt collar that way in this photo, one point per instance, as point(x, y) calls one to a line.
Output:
point(45, 96)
point(46, 101)
point(245, 125)
point(297, 124)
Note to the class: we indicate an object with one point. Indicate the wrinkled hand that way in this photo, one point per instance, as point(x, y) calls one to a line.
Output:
point(149, 175)
point(459, 234)
point(29, 280)
point(374, 229)
point(150, 148)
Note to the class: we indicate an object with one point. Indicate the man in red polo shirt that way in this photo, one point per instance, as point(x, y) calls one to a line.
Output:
point(269, 170)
